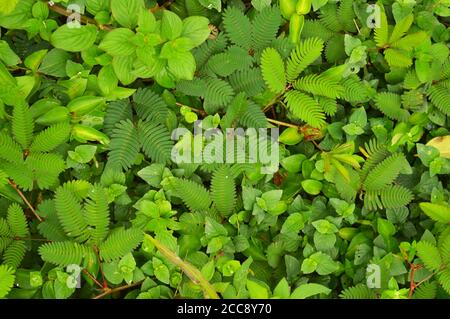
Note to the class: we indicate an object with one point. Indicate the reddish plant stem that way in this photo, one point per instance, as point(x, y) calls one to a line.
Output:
point(113, 290)
point(105, 283)
point(93, 278)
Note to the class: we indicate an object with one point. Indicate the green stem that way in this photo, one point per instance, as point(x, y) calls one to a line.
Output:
point(193, 273)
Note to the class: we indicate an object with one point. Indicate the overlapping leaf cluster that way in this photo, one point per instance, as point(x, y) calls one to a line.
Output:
point(92, 203)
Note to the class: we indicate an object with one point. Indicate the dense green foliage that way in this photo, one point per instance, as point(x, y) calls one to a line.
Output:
point(92, 203)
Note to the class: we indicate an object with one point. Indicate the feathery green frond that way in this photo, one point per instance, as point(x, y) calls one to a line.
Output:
point(305, 108)
point(440, 97)
point(155, 141)
point(209, 48)
point(22, 124)
point(394, 196)
point(316, 29)
point(401, 28)
point(236, 109)
point(196, 87)
point(390, 105)
point(272, 67)
point(444, 279)
point(330, 18)
point(193, 195)
point(426, 290)
point(328, 105)
point(119, 243)
point(150, 106)
point(354, 90)
point(429, 254)
point(319, 85)
point(385, 172)
point(63, 253)
point(51, 137)
point(97, 214)
point(360, 291)
point(14, 253)
point(397, 58)
point(223, 191)
point(7, 279)
point(124, 145)
point(218, 93)
point(304, 54)
point(347, 15)
point(248, 80)
point(237, 27)
point(382, 31)
point(234, 59)
point(9, 149)
point(115, 112)
point(17, 221)
point(70, 214)
point(253, 117)
point(265, 27)
point(46, 168)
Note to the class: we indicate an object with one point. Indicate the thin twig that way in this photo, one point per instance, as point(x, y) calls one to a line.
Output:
point(283, 123)
point(14, 185)
point(86, 20)
point(192, 272)
point(424, 279)
point(32, 239)
point(272, 102)
point(193, 109)
point(113, 290)
point(93, 278)
point(105, 283)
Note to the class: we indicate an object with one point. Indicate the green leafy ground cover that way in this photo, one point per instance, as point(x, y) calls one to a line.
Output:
point(93, 206)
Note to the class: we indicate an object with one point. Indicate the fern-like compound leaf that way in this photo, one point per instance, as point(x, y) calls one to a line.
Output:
point(124, 145)
point(223, 191)
point(17, 221)
point(155, 141)
point(360, 291)
point(70, 214)
point(97, 214)
point(115, 112)
point(14, 253)
point(394, 196)
point(46, 168)
point(382, 31)
point(305, 108)
point(440, 97)
point(51, 137)
point(272, 67)
point(64, 253)
point(304, 55)
point(22, 124)
point(319, 85)
point(237, 27)
point(119, 243)
point(390, 105)
point(7, 279)
point(265, 27)
point(150, 105)
point(194, 195)
point(429, 254)
point(385, 172)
